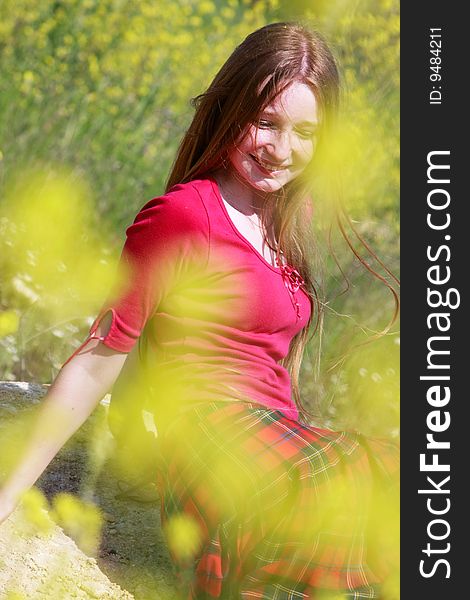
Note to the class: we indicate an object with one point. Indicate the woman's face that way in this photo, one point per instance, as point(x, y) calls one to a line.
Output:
point(277, 149)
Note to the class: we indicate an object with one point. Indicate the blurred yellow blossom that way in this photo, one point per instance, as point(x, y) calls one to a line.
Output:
point(184, 536)
point(9, 320)
point(34, 505)
point(49, 245)
point(81, 520)
point(205, 7)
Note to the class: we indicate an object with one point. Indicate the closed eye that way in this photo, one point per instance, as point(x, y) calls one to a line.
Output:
point(264, 124)
point(306, 134)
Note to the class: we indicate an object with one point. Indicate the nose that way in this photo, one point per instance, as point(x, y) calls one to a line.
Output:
point(280, 147)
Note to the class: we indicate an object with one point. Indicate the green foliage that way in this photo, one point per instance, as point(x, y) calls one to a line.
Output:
point(101, 88)
point(364, 165)
point(54, 265)
point(99, 91)
point(104, 86)
point(365, 37)
point(93, 104)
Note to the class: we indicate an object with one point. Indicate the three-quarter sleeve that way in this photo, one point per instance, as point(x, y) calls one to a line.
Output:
point(168, 232)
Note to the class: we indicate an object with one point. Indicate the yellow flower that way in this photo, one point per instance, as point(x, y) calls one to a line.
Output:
point(206, 7)
point(81, 520)
point(183, 535)
point(34, 506)
point(9, 321)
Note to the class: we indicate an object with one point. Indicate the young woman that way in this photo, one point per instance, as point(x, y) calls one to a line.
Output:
point(218, 299)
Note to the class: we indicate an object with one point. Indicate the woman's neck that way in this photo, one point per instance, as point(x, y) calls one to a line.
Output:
point(248, 203)
point(238, 193)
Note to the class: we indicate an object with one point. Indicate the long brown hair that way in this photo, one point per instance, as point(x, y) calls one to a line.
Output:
point(258, 70)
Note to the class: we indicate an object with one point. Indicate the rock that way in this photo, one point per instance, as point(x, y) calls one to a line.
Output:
point(37, 564)
point(132, 560)
point(20, 394)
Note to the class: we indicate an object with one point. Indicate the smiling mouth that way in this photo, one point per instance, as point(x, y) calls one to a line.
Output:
point(268, 167)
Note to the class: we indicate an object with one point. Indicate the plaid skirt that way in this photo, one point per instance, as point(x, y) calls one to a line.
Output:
point(256, 505)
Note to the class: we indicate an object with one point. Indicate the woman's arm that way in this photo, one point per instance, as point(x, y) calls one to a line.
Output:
point(76, 391)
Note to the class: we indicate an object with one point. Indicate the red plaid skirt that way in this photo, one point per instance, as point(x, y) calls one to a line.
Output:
point(271, 508)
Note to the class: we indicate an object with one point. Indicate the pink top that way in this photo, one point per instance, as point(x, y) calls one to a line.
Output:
point(209, 311)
